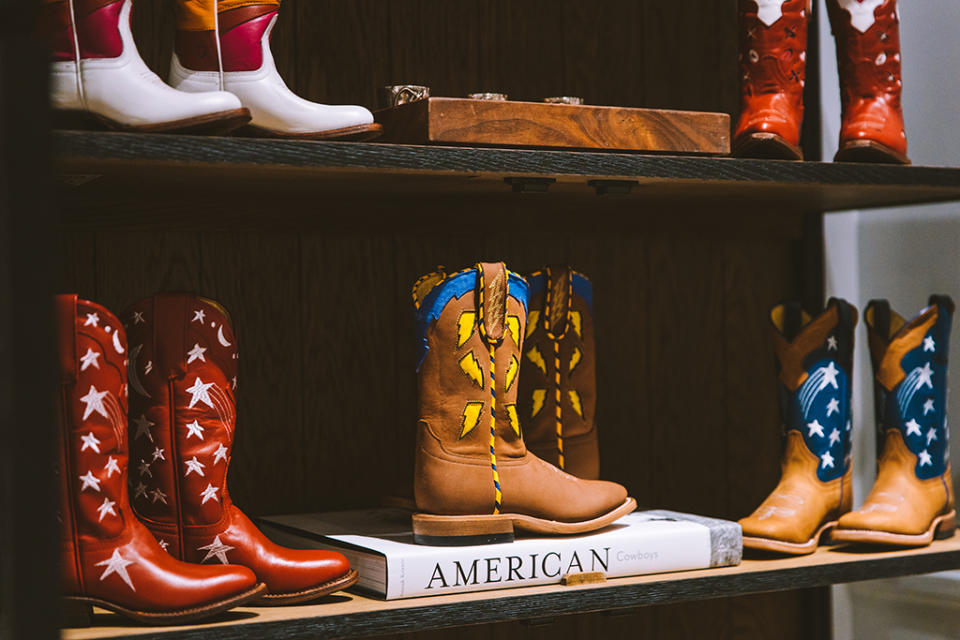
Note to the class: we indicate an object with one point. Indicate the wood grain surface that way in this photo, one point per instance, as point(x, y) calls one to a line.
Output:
point(531, 124)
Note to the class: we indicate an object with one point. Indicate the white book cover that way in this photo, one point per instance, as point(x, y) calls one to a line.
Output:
point(379, 544)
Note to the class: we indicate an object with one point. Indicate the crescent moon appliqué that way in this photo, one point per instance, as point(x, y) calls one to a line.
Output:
point(220, 337)
point(116, 341)
point(132, 376)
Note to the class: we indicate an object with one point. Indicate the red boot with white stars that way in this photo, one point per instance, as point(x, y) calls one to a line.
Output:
point(183, 376)
point(108, 558)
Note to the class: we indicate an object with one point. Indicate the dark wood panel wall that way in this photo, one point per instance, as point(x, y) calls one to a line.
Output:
point(687, 408)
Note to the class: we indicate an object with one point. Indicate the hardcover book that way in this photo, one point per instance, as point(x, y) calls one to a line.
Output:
point(379, 544)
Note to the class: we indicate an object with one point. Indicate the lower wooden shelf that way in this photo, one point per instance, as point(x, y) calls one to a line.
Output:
point(356, 615)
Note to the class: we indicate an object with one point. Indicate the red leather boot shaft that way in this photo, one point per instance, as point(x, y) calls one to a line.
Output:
point(108, 555)
point(773, 45)
point(97, 28)
point(241, 30)
point(867, 35)
point(56, 28)
point(183, 421)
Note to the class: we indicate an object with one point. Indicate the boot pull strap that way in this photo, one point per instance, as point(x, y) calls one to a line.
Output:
point(172, 313)
point(878, 318)
point(559, 291)
point(945, 302)
point(792, 319)
point(491, 301)
point(65, 308)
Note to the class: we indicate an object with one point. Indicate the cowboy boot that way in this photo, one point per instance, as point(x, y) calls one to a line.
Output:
point(912, 499)
point(97, 74)
point(183, 376)
point(815, 362)
point(868, 59)
point(558, 387)
point(474, 479)
point(225, 44)
point(108, 558)
point(773, 51)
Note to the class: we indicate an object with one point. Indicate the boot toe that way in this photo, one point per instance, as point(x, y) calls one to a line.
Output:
point(298, 570)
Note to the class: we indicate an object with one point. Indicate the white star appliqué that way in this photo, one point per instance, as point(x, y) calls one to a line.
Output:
point(210, 493)
point(815, 428)
point(833, 407)
point(220, 454)
point(91, 357)
point(194, 429)
point(158, 495)
point(94, 402)
point(929, 344)
point(216, 548)
point(925, 376)
point(90, 442)
point(158, 454)
point(93, 319)
point(163, 544)
point(198, 316)
point(145, 468)
point(827, 460)
point(139, 490)
point(138, 318)
point(913, 427)
point(196, 354)
point(201, 393)
point(832, 343)
point(834, 437)
point(925, 458)
point(928, 406)
point(90, 480)
point(117, 564)
point(931, 435)
point(829, 376)
point(195, 466)
point(143, 427)
point(111, 466)
point(106, 507)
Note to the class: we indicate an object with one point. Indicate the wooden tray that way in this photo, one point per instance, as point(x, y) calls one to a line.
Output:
point(534, 124)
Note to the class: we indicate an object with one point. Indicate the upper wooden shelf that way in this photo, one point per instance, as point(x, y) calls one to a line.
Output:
point(354, 615)
point(100, 167)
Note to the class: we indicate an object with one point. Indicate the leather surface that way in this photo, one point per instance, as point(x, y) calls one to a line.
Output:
point(453, 474)
point(106, 552)
point(772, 71)
point(870, 76)
point(562, 330)
point(55, 25)
point(98, 32)
point(183, 424)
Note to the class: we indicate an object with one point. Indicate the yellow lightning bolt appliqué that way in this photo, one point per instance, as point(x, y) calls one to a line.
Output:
point(575, 358)
point(471, 366)
point(534, 356)
point(465, 325)
point(576, 321)
point(532, 318)
point(512, 369)
point(471, 417)
point(514, 418)
point(513, 326)
point(539, 395)
point(575, 402)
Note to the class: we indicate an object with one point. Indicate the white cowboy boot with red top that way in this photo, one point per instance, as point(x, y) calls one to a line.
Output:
point(232, 52)
point(108, 558)
point(183, 376)
point(96, 74)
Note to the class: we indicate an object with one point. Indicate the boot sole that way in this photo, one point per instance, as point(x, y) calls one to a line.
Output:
point(941, 528)
point(314, 593)
point(170, 617)
point(358, 133)
point(869, 151)
point(451, 531)
point(766, 146)
point(219, 123)
point(793, 548)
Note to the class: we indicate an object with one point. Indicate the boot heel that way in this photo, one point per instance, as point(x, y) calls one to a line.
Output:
point(946, 527)
point(75, 613)
point(458, 531)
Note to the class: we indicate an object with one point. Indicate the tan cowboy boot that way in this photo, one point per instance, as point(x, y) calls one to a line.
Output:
point(815, 358)
point(912, 500)
point(474, 480)
point(558, 384)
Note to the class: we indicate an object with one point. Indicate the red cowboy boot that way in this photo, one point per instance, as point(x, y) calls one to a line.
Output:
point(773, 49)
point(183, 375)
point(868, 59)
point(108, 558)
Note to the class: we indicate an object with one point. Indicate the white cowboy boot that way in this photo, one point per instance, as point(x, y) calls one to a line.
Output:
point(96, 72)
point(240, 61)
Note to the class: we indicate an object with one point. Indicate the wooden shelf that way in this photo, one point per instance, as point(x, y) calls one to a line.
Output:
point(355, 615)
point(100, 168)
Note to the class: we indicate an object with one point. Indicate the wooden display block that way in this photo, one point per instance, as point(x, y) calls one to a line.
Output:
point(534, 124)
